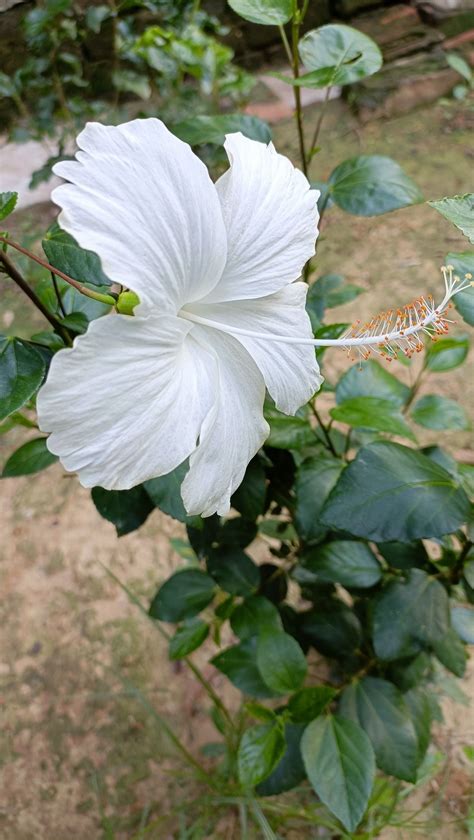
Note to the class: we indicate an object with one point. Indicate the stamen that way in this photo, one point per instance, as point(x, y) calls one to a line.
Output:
point(385, 334)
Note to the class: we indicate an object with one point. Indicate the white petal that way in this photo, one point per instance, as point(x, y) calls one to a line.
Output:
point(144, 202)
point(271, 218)
point(126, 403)
point(233, 431)
point(291, 371)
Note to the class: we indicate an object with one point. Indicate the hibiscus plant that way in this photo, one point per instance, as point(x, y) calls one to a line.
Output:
point(182, 371)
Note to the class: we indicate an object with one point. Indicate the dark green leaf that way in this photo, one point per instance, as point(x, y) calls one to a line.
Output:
point(372, 413)
point(436, 412)
point(188, 637)
point(8, 202)
point(260, 750)
point(407, 673)
point(249, 498)
point(387, 477)
point(234, 571)
point(404, 555)
point(419, 707)
point(213, 129)
point(165, 492)
point(370, 185)
point(64, 253)
point(310, 702)
point(126, 509)
point(447, 353)
point(290, 770)
point(239, 665)
point(333, 629)
point(29, 458)
point(237, 532)
point(463, 622)
point(21, 373)
point(340, 764)
point(289, 432)
point(337, 55)
point(281, 662)
point(253, 616)
point(369, 378)
point(459, 210)
point(464, 301)
point(326, 292)
point(408, 613)
point(378, 707)
point(315, 479)
point(183, 595)
point(451, 652)
point(344, 561)
point(266, 12)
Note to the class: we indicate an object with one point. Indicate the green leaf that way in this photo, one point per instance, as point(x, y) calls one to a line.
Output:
point(310, 702)
point(130, 82)
point(369, 378)
point(344, 561)
point(281, 662)
point(408, 613)
point(436, 412)
point(378, 707)
point(457, 63)
point(237, 532)
point(333, 628)
point(65, 253)
point(29, 458)
point(451, 652)
point(165, 492)
point(188, 637)
point(369, 185)
point(266, 12)
point(126, 509)
point(372, 413)
point(464, 301)
point(340, 764)
point(255, 615)
point(447, 353)
point(234, 571)
point(463, 622)
point(326, 292)
point(387, 477)
point(249, 498)
point(182, 596)
point(459, 210)
point(315, 479)
point(404, 555)
point(21, 373)
point(290, 770)
point(239, 665)
point(289, 432)
point(213, 129)
point(8, 202)
point(419, 708)
point(337, 55)
point(260, 750)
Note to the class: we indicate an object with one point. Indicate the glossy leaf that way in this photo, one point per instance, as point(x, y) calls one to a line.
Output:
point(333, 629)
point(326, 292)
point(21, 373)
point(126, 509)
point(253, 616)
point(249, 498)
point(315, 479)
point(183, 595)
point(260, 750)
point(266, 12)
point(463, 622)
point(234, 571)
point(239, 665)
point(408, 613)
point(372, 413)
point(310, 702)
point(447, 353)
point(289, 432)
point(340, 765)
point(459, 210)
point(387, 477)
point(188, 637)
point(8, 202)
point(378, 707)
point(419, 708)
point(368, 378)
point(30, 458)
point(451, 652)
point(213, 129)
point(404, 555)
point(64, 253)
point(165, 492)
point(435, 412)
point(369, 185)
point(344, 561)
point(290, 770)
point(281, 662)
point(337, 55)
point(464, 301)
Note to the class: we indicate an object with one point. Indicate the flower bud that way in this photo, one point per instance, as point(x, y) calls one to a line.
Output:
point(126, 303)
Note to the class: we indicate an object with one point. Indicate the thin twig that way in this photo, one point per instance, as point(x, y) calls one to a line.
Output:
point(319, 123)
point(295, 31)
point(58, 294)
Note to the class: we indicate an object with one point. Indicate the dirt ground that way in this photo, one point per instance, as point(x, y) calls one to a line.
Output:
point(81, 755)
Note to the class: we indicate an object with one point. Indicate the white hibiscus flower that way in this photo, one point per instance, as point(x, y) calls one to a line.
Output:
point(136, 396)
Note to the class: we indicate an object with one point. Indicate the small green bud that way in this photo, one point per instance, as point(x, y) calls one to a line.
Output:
point(126, 303)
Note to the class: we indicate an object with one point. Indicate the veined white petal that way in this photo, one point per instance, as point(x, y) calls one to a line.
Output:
point(271, 218)
point(126, 403)
point(233, 431)
point(291, 371)
point(145, 203)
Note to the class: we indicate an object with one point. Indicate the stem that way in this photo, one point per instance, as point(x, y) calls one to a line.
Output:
point(58, 295)
point(324, 430)
point(413, 391)
point(285, 43)
point(108, 299)
point(17, 278)
point(319, 123)
point(295, 31)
